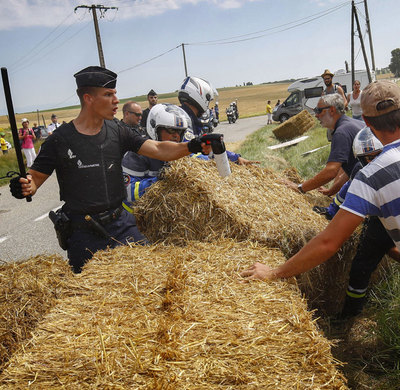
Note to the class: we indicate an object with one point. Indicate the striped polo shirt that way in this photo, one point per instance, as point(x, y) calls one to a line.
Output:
point(375, 190)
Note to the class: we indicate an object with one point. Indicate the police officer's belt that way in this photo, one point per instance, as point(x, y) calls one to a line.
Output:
point(108, 216)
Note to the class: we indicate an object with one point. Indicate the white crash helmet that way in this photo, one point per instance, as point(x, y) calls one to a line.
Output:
point(169, 116)
point(365, 143)
point(197, 92)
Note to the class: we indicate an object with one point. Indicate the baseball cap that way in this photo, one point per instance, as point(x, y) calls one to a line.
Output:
point(379, 92)
point(96, 76)
point(24, 120)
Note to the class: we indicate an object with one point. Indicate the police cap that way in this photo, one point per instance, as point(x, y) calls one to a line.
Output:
point(96, 76)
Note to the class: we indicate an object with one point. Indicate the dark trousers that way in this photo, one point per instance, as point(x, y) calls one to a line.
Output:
point(374, 243)
point(84, 242)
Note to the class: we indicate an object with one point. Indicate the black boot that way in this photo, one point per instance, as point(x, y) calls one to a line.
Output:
point(352, 306)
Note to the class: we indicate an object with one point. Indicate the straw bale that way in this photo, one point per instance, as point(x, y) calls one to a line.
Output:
point(28, 290)
point(164, 317)
point(193, 202)
point(294, 126)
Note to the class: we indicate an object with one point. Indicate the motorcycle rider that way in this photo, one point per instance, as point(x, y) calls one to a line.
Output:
point(166, 122)
point(195, 95)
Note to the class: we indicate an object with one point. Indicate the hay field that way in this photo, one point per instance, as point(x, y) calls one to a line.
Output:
point(251, 101)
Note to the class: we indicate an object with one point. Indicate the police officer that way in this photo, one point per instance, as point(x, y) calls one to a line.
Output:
point(152, 98)
point(132, 114)
point(195, 95)
point(86, 154)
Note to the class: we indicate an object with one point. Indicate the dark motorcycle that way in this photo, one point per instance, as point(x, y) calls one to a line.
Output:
point(231, 115)
point(207, 121)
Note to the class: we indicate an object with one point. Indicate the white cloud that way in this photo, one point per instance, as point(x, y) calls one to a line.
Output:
point(29, 13)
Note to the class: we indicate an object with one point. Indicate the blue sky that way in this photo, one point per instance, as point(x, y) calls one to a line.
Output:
point(43, 43)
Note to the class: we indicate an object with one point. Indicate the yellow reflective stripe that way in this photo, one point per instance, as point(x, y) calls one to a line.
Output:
point(136, 191)
point(337, 201)
point(127, 208)
point(354, 295)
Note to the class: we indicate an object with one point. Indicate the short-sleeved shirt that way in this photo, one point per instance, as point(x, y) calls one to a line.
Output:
point(342, 142)
point(375, 190)
point(88, 168)
point(3, 144)
point(27, 142)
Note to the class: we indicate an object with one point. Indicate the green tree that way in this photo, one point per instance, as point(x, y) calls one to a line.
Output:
point(395, 62)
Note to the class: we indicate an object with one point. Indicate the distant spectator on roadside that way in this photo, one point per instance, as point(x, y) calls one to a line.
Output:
point(152, 98)
point(354, 100)
point(53, 125)
point(36, 130)
point(278, 103)
point(332, 88)
point(3, 143)
point(27, 136)
point(269, 112)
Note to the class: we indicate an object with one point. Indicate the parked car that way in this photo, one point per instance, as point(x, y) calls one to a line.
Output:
point(43, 132)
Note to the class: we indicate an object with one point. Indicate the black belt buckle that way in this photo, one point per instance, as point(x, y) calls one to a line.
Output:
point(109, 216)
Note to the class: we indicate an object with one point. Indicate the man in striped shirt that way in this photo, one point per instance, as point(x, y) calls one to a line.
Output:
point(375, 189)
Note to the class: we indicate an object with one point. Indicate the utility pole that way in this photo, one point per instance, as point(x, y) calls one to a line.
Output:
point(184, 58)
point(362, 45)
point(353, 76)
point(102, 10)
point(369, 35)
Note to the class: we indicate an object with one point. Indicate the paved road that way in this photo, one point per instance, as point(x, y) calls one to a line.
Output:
point(26, 230)
point(236, 132)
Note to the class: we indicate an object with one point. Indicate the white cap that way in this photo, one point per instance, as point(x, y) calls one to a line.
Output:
point(24, 120)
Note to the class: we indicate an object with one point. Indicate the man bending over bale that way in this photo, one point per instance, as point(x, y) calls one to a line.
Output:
point(341, 161)
point(375, 190)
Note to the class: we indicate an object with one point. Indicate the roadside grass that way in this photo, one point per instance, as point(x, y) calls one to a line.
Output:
point(256, 148)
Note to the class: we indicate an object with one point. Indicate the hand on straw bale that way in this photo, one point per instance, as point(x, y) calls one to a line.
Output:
point(243, 161)
point(288, 183)
point(258, 271)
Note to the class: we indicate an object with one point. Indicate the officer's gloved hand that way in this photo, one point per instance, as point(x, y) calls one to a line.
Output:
point(16, 188)
point(194, 145)
point(162, 171)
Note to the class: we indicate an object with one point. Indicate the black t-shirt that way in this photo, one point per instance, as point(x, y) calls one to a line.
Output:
point(88, 167)
point(342, 142)
point(145, 114)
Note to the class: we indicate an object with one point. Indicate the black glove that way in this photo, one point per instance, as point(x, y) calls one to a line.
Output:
point(194, 145)
point(15, 188)
point(161, 172)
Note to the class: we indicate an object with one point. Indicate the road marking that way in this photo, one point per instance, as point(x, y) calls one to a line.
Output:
point(2, 239)
point(45, 215)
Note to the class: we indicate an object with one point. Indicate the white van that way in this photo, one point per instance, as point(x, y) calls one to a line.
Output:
point(305, 93)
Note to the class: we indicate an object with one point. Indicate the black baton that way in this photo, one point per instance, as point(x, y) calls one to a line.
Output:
point(13, 124)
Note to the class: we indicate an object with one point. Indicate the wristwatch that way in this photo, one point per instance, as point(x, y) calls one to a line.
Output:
point(300, 188)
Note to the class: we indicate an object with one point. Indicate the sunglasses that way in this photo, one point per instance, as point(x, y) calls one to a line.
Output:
point(318, 110)
point(138, 114)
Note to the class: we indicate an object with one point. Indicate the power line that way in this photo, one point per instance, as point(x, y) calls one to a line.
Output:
point(44, 55)
point(38, 44)
point(151, 59)
point(313, 17)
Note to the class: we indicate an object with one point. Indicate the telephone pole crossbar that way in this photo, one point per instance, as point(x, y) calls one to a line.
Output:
point(102, 10)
